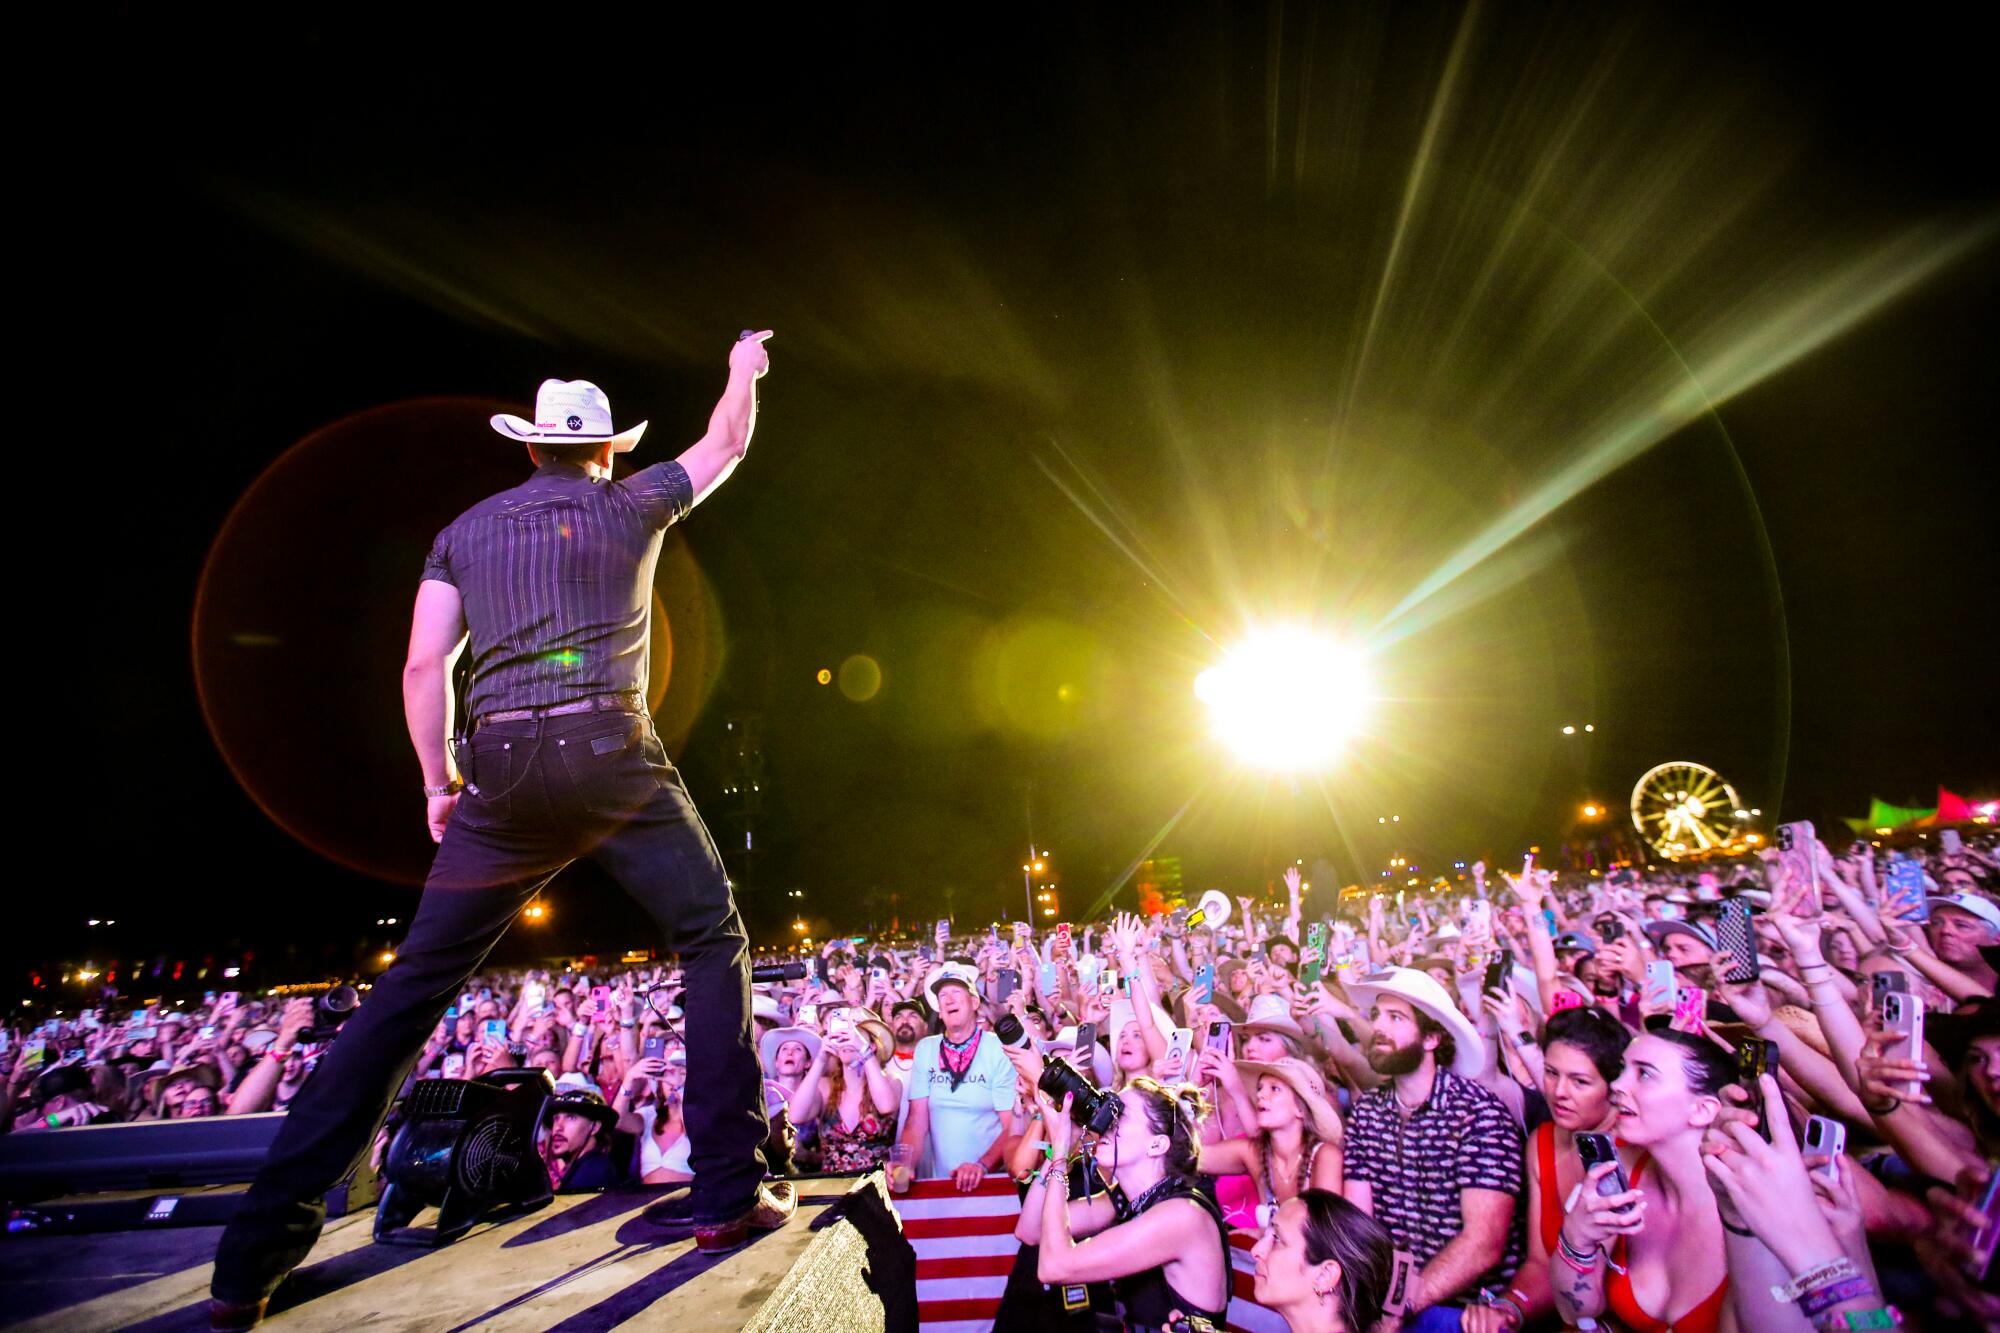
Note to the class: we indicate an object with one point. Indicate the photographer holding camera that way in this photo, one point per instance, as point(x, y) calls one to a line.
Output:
point(1153, 1235)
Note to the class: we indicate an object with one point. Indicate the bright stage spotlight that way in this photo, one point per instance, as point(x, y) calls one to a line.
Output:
point(1285, 699)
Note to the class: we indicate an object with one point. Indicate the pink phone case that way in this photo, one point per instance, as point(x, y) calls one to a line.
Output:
point(1690, 1011)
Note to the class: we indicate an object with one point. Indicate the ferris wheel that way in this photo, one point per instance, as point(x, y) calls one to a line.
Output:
point(1683, 809)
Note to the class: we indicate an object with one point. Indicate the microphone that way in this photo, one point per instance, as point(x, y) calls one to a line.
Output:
point(769, 972)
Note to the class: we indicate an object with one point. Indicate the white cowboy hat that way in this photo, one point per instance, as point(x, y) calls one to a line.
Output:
point(764, 1007)
point(1270, 1013)
point(961, 973)
point(1122, 1013)
point(569, 412)
point(767, 1046)
point(1214, 907)
point(1307, 1082)
point(1423, 992)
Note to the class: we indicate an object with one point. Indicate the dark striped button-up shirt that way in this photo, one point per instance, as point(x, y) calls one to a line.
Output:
point(557, 580)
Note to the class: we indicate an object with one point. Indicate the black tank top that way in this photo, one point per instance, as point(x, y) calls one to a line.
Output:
point(1148, 1297)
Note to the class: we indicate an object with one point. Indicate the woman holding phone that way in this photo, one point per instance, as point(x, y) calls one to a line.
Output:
point(1295, 1142)
point(1651, 1255)
point(649, 1108)
point(1583, 1053)
point(850, 1094)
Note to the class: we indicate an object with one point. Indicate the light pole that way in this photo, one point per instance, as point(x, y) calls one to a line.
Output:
point(1032, 868)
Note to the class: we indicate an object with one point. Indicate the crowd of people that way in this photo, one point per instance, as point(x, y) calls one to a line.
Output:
point(1759, 1094)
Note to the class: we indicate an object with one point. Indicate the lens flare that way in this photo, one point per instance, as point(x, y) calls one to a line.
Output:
point(1285, 699)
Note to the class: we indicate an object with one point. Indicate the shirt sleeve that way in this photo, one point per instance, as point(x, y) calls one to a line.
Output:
point(437, 565)
point(1004, 1079)
point(921, 1065)
point(1493, 1149)
point(664, 493)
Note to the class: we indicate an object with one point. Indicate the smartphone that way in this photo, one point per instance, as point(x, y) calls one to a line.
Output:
point(1798, 846)
point(1905, 888)
point(1021, 935)
point(1564, 999)
point(809, 1015)
point(1983, 1240)
point(1829, 1137)
point(1884, 982)
point(1107, 982)
point(1221, 1034)
point(1658, 992)
point(1950, 842)
point(654, 1048)
point(1196, 917)
point(1736, 937)
point(1609, 928)
point(1479, 923)
point(1690, 1011)
point(485, 992)
point(465, 1003)
point(33, 1052)
point(532, 993)
point(1006, 981)
point(453, 1066)
point(1755, 1058)
point(1313, 961)
point(1903, 1014)
point(1046, 976)
point(1086, 1037)
point(943, 931)
point(1064, 948)
point(493, 1029)
point(208, 1030)
point(1593, 1149)
point(1499, 973)
point(1204, 984)
point(1179, 1042)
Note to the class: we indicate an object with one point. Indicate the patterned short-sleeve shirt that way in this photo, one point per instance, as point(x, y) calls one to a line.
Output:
point(1463, 1137)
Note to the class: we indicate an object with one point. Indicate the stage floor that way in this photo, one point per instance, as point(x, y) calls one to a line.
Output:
point(585, 1262)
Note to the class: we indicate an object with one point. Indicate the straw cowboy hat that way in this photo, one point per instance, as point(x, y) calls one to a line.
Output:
point(1271, 1013)
point(1122, 1014)
point(871, 1027)
point(1422, 992)
point(767, 1046)
point(1304, 1080)
point(568, 412)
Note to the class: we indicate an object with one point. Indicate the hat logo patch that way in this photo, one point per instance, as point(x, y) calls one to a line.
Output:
point(575, 422)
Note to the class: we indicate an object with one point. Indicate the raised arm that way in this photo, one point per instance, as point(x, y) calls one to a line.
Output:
point(709, 460)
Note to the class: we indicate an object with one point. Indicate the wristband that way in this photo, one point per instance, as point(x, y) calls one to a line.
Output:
point(277, 1054)
point(1817, 1302)
point(1886, 1317)
point(1738, 1231)
point(445, 789)
point(1832, 1270)
point(55, 1120)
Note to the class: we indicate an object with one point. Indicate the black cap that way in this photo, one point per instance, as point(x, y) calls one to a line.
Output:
point(587, 1102)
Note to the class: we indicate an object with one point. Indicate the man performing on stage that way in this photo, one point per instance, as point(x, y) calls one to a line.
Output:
point(550, 585)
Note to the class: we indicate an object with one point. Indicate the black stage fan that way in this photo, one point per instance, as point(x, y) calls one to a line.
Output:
point(467, 1146)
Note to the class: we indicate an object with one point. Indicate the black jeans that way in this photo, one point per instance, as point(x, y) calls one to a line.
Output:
point(539, 795)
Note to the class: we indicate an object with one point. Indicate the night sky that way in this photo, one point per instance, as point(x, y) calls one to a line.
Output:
point(1102, 332)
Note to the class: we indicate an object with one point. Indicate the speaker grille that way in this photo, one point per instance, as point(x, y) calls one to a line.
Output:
point(436, 1096)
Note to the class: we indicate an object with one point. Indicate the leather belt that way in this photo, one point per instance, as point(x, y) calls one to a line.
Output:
point(629, 702)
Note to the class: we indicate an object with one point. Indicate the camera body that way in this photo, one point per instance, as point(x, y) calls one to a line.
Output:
point(1092, 1108)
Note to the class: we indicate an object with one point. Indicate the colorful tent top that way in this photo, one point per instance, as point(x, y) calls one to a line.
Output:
point(1951, 808)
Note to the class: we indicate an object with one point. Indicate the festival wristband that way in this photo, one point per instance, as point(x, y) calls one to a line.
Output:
point(1817, 1302)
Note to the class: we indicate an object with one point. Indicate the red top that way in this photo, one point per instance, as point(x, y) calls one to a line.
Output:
point(1624, 1306)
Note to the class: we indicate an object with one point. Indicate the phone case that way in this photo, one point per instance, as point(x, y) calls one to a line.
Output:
point(1659, 991)
point(1734, 933)
point(1690, 1011)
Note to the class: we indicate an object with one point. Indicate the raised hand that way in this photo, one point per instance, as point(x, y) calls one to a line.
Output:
point(749, 354)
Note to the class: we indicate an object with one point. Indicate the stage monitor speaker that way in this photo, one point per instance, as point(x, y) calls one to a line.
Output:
point(467, 1147)
point(859, 1274)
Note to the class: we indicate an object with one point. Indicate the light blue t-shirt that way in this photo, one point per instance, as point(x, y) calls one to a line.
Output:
point(967, 1119)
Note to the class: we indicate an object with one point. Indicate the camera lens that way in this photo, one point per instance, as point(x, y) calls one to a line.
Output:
point(1010, 1032)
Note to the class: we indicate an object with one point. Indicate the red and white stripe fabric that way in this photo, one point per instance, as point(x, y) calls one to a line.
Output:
point(965, 1248)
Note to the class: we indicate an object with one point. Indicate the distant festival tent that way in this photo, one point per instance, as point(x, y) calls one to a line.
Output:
point(1951, 808)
